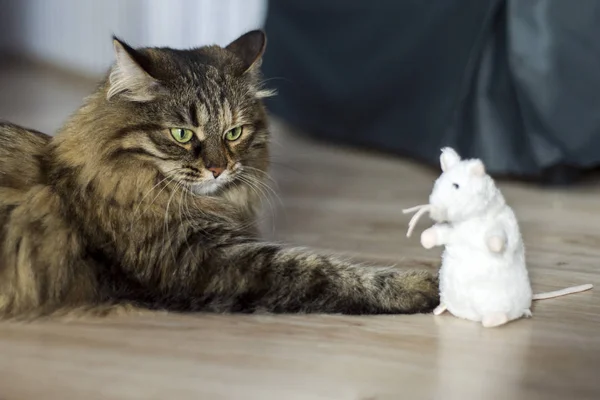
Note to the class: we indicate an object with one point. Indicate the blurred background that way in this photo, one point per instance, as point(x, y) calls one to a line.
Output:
point(76, 34)
point(53, 51)
point(516, 83)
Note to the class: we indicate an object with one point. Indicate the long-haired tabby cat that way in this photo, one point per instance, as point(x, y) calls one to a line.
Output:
point(145, 197)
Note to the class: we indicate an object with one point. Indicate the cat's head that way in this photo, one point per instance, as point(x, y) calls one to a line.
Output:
point(195, 115)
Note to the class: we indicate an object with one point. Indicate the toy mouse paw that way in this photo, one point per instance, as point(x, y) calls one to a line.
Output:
point(428, 238)
point(495, 244)
point(494, 320)
point(439, 310)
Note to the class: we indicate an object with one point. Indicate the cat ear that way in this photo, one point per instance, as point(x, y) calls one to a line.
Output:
point(249, 48)
point(449, 158)
point(127, 76)
point(477, 168)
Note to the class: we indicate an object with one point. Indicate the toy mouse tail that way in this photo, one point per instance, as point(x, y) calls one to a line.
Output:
point(562, 292)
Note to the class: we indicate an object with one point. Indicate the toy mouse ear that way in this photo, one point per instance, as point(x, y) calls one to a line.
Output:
point(477, 168)
point(449, 158)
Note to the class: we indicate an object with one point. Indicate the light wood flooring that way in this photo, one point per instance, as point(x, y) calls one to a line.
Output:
point(343, 201)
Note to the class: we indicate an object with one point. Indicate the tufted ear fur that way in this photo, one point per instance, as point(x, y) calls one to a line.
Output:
point(449, 158)
point(477, 168)
point(128, 78)
point(249, 48)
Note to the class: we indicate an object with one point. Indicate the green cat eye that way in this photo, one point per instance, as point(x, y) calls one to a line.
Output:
point(234, 134)
point(182, 135)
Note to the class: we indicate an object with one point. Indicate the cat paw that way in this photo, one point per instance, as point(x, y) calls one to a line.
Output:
point(428, 238)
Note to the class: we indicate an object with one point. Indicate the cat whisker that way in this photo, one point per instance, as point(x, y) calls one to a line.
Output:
point(185, 214)
point(284, 165)
point(277, 196)
point(265, 186)
point(254, 221)
point(134, 215)
point(259, 171)
point(167, 231)
point(254, 185)
point(255, 188)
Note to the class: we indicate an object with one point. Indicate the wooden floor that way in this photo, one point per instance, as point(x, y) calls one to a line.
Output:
point(343, 201)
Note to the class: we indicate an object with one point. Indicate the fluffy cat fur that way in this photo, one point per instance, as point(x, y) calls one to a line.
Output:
point(114, 211)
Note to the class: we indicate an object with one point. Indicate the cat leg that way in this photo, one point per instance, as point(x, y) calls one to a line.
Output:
point(494, 319)
point(439, 310)
point(264, 277)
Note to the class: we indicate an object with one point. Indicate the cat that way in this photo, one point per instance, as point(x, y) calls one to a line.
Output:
point(21, 150)
point(145, 197)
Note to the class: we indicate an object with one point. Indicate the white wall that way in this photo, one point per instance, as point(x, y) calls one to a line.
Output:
point(76, 34)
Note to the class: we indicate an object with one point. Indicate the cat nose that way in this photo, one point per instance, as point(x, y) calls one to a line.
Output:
point(216, 171)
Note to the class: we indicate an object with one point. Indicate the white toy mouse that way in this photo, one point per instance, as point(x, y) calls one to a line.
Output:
point(483, 276)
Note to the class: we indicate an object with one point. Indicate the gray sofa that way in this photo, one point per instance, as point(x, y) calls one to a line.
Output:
point(516, 83)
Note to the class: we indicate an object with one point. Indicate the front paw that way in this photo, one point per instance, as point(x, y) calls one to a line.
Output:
point(428, 238)
point(439, 310)
point(495, 244)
